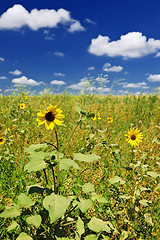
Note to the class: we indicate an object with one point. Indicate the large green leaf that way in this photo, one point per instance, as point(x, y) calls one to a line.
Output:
point(12, 226)
point(86, 157)
point(77, 108)
point(67, 163)
point(11, 212)
point(34, 220)
point(84, 204)
point(88, 188)
point(116, 179)
point(24, 236)
point(35, 165)
point(31, 149)
point(56, 205)
point(98, 225)
point(25, 200)
point(80, 226)
point(99, 198)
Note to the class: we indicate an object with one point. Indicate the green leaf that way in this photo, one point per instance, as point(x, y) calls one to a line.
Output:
point(77, 108)
point(56, 205)
point(34, 220)
point(35, 189)
point(153, 174)
point(12, 226)
point(24, 236)
point(145, 202)
point(86, 157)
point(67, 163)
point(35, 165)
point(116, 179)
point(148, 218)
point(92, 237)
point(88, 188)
point(145, 189)
point(25, 200)
point(99, 198)
point(10, 212)
point(84, 204)
point(124, 235)
point(31, 149)
point(98, 225)
point(80, 226)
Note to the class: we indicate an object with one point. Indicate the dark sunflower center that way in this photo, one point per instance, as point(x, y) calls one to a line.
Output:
point(133, 137)
point(49, 116)
point(1, 140)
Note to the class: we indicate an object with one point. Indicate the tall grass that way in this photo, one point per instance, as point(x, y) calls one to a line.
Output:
point(124, 190)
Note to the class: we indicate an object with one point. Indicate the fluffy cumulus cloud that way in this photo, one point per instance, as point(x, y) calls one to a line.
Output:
point(142, 85)
point(16, 72)
point(57, 82)
point(107, 68)
point(91, 68)
point(17, 17)
point(2, 59)
point(59, 74)
point(154, 78)
point(82, 85)
point(25, 81)
point(3, 77)
point(131, 45)
point(59, 54)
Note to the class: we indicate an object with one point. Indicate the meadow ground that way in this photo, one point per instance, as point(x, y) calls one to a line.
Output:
point(115, 192)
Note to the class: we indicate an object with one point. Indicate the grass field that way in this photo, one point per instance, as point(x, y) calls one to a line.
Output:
point(87, 182)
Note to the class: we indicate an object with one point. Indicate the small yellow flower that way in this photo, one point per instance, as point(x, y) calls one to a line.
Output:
point(22, 106)
point(110, 120)
point(2, 140)
point(26, 93)
point(52, 116)
point(1, 94)
point(25, 97)
point(94, 118)
point(98, 116)
point(9, 130)
point(1, 111)
point(43, 101)
point(134, 136)
point(23, 93)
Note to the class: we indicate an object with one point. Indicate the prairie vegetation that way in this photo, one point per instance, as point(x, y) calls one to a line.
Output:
point(82, 179)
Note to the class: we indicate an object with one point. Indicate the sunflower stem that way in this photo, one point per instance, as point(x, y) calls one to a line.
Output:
point(58, 170)
point(44, 170)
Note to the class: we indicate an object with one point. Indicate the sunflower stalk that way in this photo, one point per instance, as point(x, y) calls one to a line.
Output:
point(56, 186)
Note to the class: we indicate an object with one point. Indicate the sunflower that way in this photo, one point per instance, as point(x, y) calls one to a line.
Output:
point(109, 119)
point(22, 106)
point(50, 117)
point(25, 97)
point(94, 118)
point(98, 116)
point(2, 140)
point(134, 136)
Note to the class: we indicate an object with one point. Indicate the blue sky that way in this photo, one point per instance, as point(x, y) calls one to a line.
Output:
point(99, 46)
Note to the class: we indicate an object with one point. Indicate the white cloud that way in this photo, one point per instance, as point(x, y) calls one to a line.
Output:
point(3, 77)
point(57, 82)
point(25, 81)
point(82, 85)
point(59, 54)
point(131, 45)
point(76, 26)
point(90, 21)
point(103, 89)
point(48, 35)
point(154, 78)
point(59, 74)
point(107, 68)
point(101, 79)
point(17, 17)
point(142, 85)
point(158, 54)
point(16, 72)
point(2, 59)
point(91, 68)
